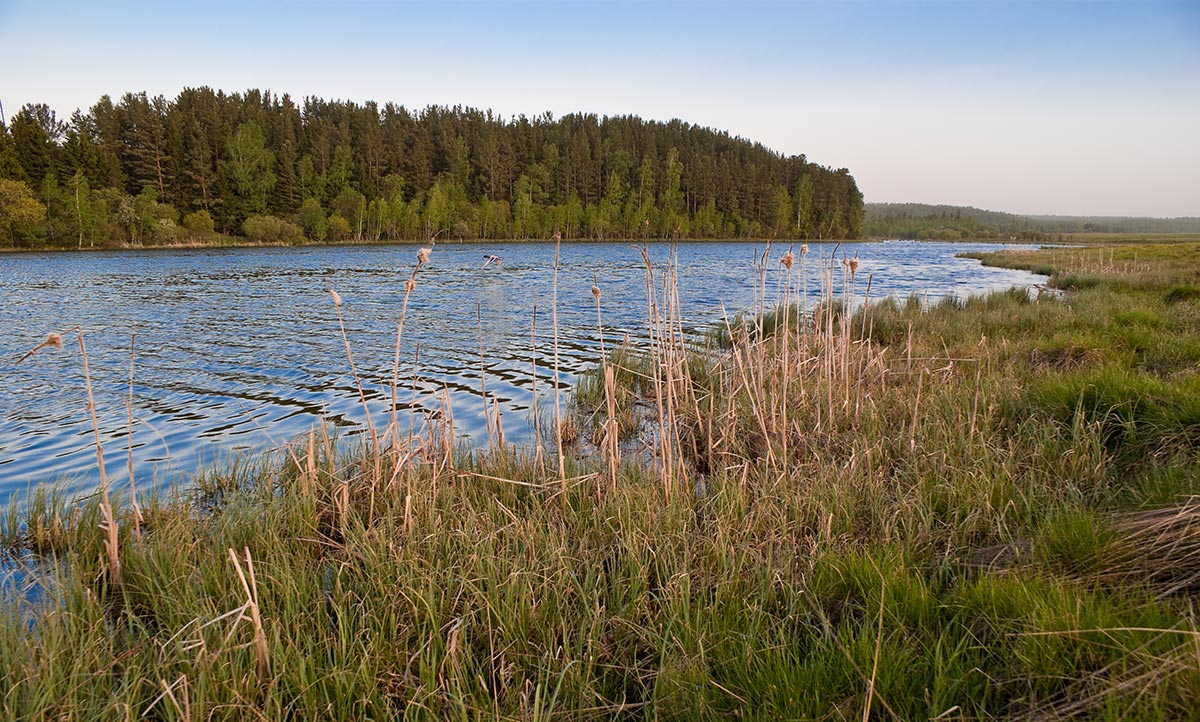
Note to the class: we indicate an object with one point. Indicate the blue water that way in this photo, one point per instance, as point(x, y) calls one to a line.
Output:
point(240, 349)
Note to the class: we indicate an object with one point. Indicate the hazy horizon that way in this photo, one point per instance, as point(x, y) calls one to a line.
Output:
point(1060, 108)
point(1018, 213)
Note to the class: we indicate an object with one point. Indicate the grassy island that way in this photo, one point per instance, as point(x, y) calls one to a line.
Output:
point(981, 509)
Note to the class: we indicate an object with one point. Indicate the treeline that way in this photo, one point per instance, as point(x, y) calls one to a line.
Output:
point(1117, 224)
point(942, 222)
point(147, 170)
point(945, 223)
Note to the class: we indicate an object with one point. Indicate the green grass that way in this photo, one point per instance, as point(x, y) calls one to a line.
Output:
point(985, 508)
point(1092, 239)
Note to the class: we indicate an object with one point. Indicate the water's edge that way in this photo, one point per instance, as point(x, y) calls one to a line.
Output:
point(240, 349)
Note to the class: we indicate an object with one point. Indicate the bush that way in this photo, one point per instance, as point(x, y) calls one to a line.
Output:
point(165, 233)
point(269, 229)
point(338, 228)
point(200, 222)
point(166, 212)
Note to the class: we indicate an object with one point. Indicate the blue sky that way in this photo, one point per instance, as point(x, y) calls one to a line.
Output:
point(1048, 107)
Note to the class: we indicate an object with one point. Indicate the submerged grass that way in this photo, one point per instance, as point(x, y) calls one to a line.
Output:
point(982, 508)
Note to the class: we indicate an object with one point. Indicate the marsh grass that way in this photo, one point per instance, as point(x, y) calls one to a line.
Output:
point(980, 508)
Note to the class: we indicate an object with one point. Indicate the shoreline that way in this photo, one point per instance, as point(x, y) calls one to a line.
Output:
point(1068, 240)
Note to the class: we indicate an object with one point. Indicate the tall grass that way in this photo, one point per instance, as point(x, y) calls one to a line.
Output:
point(980, 508)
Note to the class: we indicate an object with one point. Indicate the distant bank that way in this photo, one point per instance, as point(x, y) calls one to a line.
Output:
point(942, 222)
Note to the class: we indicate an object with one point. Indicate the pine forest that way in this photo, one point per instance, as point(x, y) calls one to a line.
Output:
point(212, 167)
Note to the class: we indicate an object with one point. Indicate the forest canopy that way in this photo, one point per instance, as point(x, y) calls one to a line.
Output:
point(151, 171)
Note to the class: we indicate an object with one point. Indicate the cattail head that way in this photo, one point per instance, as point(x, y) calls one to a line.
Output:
point(53, 340)
point(853, 265)
point(557, 236)
point(423, 255)
point(804, 249)
point(337, 300)
point(410, 285)
point(787, 260)
point(596, 292)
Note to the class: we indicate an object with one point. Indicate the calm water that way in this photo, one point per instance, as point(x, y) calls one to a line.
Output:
point(240, 349)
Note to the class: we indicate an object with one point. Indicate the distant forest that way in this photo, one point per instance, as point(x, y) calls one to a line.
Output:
point(938, 222)
point(151, 171)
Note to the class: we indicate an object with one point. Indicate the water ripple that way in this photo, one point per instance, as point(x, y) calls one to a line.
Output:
point(242, 348)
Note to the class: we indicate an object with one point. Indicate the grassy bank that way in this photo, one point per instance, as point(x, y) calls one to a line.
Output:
point(981, 509)
point(1092, 239)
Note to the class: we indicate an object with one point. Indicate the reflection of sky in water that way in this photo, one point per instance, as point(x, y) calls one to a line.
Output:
point(240, 349)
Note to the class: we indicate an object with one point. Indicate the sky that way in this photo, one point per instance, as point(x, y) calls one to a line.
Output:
point(1081, 108)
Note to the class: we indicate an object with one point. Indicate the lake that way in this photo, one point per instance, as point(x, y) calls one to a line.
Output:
point(240, 349)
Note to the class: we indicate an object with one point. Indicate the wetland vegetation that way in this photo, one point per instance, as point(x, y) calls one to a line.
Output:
point(979, 508)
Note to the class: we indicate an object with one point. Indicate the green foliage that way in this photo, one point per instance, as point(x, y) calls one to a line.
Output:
point(393, 174)
point(199, 222)
point(20, 211)
point(248, 168)
point(35, 131)
point(269, 229)
point(311, 218)
point(337, 228)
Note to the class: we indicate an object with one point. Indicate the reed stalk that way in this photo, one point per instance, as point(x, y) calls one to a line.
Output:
point(674, 369)
point(262, 659)
point(337, 304)
point(653, 322)
point(978, 386)
point(487, 412)
point(786, 261)
point(866, 716)
point(611, 444)
point(912, 438)
point(109, 524)
point(558, 421)
point(409, 287)
point(533, 374)
point(133, 502)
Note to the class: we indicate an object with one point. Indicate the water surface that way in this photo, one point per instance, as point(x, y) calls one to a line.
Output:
point(239, 349)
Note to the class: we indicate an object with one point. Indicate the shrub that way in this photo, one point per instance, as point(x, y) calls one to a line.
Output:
point(165, 232)
point(200, 222)
point(269, 229)
point(339, 228)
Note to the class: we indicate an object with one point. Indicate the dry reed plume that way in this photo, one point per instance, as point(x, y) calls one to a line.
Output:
point(108, 524)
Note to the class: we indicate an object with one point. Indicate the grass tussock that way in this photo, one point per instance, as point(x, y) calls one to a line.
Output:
point(983, 508)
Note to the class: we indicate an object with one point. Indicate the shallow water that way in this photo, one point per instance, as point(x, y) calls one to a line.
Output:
point(237, 349)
